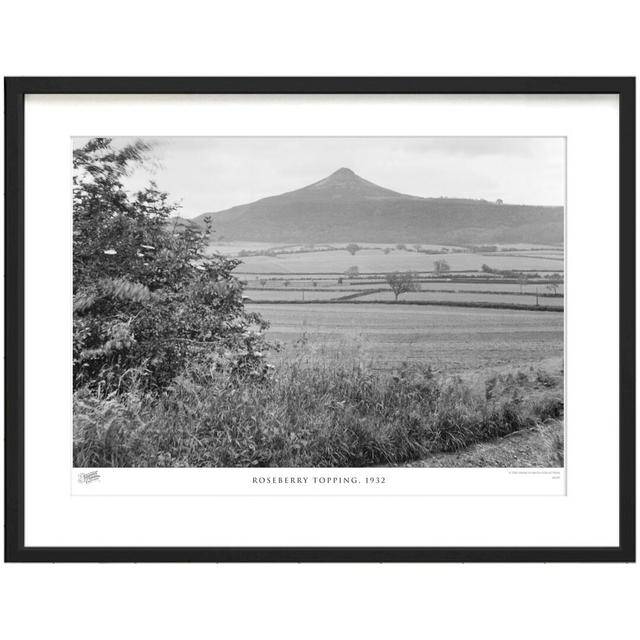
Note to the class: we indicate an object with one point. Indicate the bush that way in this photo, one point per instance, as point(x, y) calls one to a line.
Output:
point(147, 301)
point(441, 266)
point(352, 272)
point(352, 248)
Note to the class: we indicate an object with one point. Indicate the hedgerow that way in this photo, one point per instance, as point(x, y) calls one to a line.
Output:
point(147, 300)
point(307, 415)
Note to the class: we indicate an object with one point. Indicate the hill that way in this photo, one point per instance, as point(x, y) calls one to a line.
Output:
point(345, 207)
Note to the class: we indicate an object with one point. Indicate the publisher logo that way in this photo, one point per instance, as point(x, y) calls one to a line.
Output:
point(88, 477)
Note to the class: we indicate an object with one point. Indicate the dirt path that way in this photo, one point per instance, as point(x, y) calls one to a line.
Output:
point(542, 446)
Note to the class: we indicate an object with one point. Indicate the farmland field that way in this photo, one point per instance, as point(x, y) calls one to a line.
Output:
point(465, 297)
point(380, 257)
point(448, 338)
point(452, 339)
point(330, 283)
point(374, 260)
point(292, 295)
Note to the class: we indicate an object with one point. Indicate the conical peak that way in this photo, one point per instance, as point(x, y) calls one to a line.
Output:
point(345, 183)
point(343, 172)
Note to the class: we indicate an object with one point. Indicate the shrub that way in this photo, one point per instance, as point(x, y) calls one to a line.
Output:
point(441, 266)
point(147, 301)
point(352, 248)
point(352, 272)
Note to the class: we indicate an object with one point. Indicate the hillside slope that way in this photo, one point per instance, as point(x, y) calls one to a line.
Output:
point(345, 207)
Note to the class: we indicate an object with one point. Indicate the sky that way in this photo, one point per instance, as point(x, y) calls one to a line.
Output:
point(212, 174)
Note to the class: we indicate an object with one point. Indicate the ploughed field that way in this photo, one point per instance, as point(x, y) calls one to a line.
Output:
point(450, 339)
point(319, 311)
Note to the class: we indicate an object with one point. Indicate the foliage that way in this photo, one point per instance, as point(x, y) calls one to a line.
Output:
point(352, 248)
point(352, 272)
point(147, 300)
point(441, 266)
point(344, 415)
point(402, 282)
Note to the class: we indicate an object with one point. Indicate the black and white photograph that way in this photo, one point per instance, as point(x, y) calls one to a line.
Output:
point(314, 302)
point(320, 320)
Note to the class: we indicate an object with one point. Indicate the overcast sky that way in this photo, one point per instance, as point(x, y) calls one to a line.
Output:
point(210, 174)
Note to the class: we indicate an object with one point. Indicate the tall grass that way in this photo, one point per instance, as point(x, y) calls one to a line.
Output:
point(307, 414)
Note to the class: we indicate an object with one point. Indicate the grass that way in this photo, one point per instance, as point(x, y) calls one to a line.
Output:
point(541, 446)
point(375, 261)
point(425, 303)
point(308, 414)
point(450, 339)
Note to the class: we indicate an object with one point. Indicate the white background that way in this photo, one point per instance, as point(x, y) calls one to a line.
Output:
point(331, 38)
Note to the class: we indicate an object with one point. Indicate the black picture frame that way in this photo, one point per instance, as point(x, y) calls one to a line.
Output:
point(15, 91)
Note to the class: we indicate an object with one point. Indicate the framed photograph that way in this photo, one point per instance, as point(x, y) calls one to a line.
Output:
point(320, 319)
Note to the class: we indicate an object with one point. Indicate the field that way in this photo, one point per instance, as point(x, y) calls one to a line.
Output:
point(465, 296)
point(374, 260)
point(450, 339)
point(355, 314)
point(333, 258)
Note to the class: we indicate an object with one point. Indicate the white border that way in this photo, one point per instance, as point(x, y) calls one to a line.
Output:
point(587, 516)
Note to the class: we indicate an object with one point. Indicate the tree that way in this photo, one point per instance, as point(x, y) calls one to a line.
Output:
point(441, 266)
point(386, 251)
point(352, 272)
point(352, 248)
point(147, 301)
point(263, 282)
point(401, 247)
point(314, 283)
point(522, 281)
point(402, 282)
point(286, 283)
point(485, 268)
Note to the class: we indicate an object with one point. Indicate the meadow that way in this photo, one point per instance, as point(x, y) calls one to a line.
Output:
point(375, 260)
point(449, 339)
point(464, 296)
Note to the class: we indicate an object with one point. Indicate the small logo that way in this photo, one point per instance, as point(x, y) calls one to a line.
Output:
point(89, 477)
